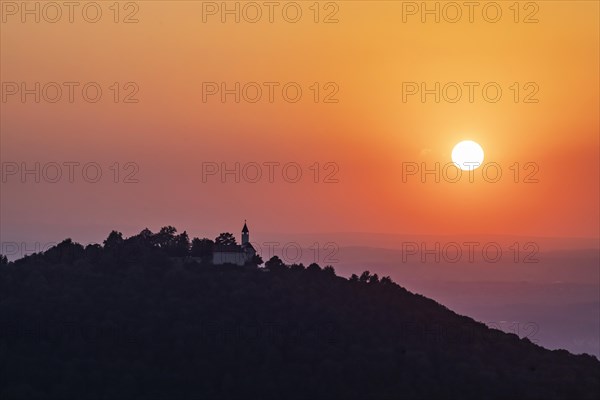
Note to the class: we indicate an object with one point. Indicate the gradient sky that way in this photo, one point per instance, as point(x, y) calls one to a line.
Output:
point(369, 133)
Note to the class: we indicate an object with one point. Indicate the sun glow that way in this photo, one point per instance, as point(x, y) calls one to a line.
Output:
point(467, 155)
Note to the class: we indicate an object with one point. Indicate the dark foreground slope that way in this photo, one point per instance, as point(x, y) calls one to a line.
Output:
point(89, 329)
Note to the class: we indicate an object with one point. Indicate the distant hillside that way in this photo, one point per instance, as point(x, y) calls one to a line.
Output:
point(122, 321)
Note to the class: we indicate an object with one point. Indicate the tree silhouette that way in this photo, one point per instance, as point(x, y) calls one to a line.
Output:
point(146, 234)
point(374, 278)
point(297, 267)
point(65, 252)
point(114, 240)
point(225, 239)
point(314, 267)
point(329, 270)
point(275, 264)
point(165, 237)
point(202, 248)
point(181, 245)
point(256, 260)
point(364, 277)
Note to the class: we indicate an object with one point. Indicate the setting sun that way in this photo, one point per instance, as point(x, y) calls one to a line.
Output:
point(467, 155)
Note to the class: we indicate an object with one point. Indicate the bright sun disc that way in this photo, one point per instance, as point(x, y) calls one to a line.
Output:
point(467, 155)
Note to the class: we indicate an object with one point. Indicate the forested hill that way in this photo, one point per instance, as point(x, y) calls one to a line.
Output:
point(122, 321)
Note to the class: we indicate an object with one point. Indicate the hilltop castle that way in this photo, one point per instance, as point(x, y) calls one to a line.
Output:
point(235, 254)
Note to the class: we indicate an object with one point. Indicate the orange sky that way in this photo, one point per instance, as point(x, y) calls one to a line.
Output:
point(369, 133)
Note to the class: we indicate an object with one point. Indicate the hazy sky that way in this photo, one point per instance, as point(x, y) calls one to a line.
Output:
point(365, 128)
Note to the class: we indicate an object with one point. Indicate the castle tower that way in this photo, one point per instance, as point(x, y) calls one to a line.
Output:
point(245, 234)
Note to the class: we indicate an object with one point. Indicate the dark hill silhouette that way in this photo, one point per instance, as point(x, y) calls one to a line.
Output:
point(128, 321)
